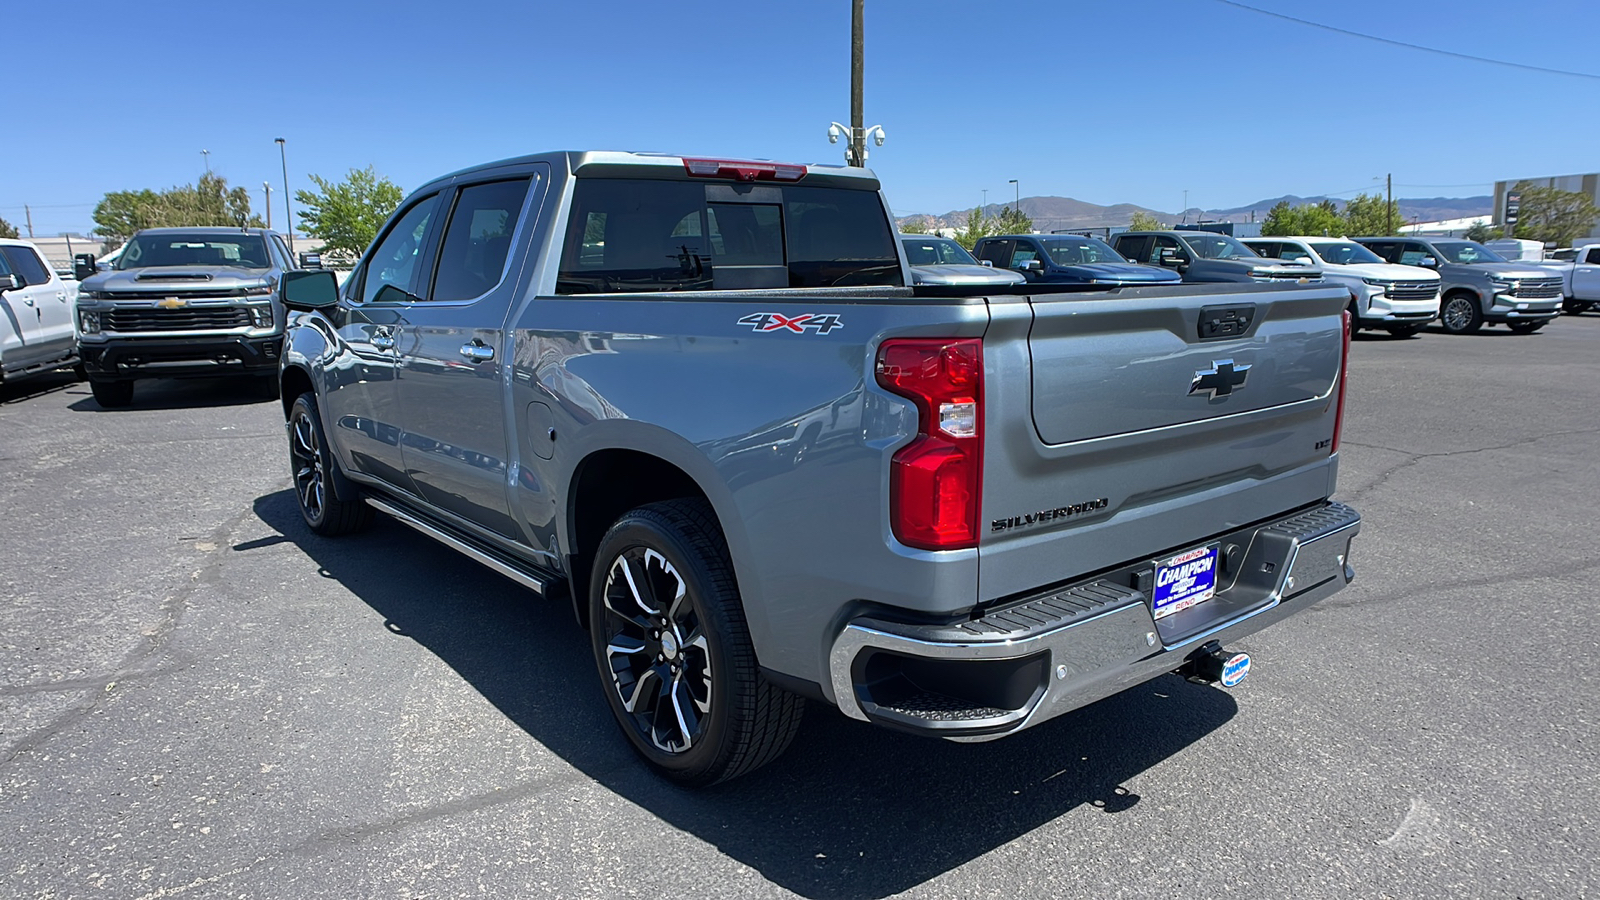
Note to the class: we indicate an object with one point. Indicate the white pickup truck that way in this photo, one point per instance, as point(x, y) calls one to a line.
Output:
point(1580, 276)
point(37, 312)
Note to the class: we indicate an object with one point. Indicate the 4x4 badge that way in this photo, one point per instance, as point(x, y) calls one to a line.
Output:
point(1220, 380)
point(771, 321)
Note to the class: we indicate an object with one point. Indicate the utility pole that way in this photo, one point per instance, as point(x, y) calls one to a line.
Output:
point(1017, 205)
point(29, 214)
point(1185, 207)
point(207, 155)
point(858, 52)
point(1388, 203)
point(267, 186)
point(985, 199)
point(288, 215)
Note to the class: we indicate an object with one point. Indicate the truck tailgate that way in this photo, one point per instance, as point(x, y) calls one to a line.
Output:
point(1149, 420)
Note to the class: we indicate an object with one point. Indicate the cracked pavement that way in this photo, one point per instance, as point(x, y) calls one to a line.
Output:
point(198, 698)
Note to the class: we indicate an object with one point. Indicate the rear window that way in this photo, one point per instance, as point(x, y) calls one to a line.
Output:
point(629, 235)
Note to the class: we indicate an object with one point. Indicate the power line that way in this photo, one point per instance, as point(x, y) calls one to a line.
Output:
point(1408, 46)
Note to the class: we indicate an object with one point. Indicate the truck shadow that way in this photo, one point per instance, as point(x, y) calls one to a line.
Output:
point(184, 393)
point(850, 812)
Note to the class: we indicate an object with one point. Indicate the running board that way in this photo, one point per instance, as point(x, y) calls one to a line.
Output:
point(485, 557)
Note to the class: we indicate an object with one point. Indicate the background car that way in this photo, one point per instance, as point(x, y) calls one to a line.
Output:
point(37, 313)
point(939, 260)
point(1067, 259)
point(1204, 256)
point(1399, 299)
point(1479, 286)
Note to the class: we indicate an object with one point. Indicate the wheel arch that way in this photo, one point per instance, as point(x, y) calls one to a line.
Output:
point(294, 381)
point(613, 477)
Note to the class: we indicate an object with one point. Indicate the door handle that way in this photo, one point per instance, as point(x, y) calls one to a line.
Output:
point(475, 351)
point(28, 301)
point(383, 338)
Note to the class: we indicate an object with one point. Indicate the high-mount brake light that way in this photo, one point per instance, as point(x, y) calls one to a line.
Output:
point(936, 481)
point(744, 170)
point(1344, 381)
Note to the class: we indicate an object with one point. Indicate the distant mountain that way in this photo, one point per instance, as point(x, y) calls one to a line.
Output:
point(1065, 213)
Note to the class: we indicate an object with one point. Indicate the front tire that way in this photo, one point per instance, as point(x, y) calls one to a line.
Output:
point(111, 394)
point(1460, 314)
point(312, 466)
point(674, 653)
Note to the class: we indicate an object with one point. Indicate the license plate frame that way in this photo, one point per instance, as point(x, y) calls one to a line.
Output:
point(1184, 580)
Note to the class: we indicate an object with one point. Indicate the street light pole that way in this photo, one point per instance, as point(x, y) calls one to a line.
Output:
point(207, 155)
point(267, 186)
point(1017, 205)
point(288, 214)
point(858, 52)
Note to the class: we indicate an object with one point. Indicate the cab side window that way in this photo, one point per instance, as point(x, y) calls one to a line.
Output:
point(27, 265)
point(1025, 252)
point(1135, 249)
point(996, 252)
point(1169, 248)
point(1593, 256)
point(1389, 250)
point(477, 240)
point(393, 262)
point(1412, 254)
point(1269, 249)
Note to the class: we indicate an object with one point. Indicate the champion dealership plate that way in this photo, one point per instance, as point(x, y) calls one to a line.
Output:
point(1185, 580)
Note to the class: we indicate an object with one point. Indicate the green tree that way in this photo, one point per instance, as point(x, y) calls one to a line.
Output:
point(978, 226)
point(1367, 216)
point(1143, 221)
point(1012, 221)
point(208, 202)
point(1309, 219)
point(1483, 232)
point(346, 214)
point(8, 230)
point(916, 225)
point(1554, 216)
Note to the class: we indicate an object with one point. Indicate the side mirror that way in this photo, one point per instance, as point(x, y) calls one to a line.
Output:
point(1034, 266)
point(985, 262)
point(83, 266)
point(308, 290)
point(311, 260)
point(9, 283)
point(1171, 258)
point(1428, 262)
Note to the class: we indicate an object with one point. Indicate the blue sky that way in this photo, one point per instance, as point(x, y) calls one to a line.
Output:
point(1105, 102)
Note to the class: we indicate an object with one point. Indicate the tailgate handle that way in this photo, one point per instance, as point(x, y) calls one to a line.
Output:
point(1222, 322)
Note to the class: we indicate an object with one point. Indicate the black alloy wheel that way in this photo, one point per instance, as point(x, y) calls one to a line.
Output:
point(674, 654)
point(312, 468)
point(111, 394)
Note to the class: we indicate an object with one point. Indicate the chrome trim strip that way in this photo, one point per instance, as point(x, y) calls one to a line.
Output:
point(532, 582)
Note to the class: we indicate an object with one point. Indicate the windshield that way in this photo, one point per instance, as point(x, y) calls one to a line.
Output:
point(1078, 251)
point(1344, 253)
point(936, 252)
point(1218, 246)
point(247, 251)
point(1466, 252)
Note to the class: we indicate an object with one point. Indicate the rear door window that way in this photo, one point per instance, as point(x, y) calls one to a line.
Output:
point(1389, 250)
point(1135, 248)
point(628, 235)
point(1269, 249)
point(1025, 253)
point(996, 252)
point(478, 239)
point(1413, 254)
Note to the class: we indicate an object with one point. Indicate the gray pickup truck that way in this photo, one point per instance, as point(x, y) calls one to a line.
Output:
point(1478, 285)
point(699, 399)
point(184, 302)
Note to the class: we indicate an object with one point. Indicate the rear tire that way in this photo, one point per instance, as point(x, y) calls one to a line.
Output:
point(111, 394)
point(313, 468)
point(1460, 314)
point(1574, 306)
point(1404, 331)
point(674, 653)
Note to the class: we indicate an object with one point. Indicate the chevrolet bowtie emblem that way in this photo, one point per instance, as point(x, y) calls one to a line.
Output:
point(1220, 380)
point(172, 303)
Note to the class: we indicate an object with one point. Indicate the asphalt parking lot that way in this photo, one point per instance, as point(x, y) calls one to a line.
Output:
point(200, 698)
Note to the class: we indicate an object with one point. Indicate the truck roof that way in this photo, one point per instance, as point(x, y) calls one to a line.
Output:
point(207, 229)
point(657, 165)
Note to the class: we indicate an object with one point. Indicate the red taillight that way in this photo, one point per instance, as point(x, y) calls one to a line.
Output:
point(744, 170)
point(1344, 380)
point(936, 481)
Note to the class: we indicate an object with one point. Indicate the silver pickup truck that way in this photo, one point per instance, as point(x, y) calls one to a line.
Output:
point(698, 398)
point(184, 302)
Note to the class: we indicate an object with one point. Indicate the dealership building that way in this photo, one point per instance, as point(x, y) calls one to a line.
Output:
point(1586, 184)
